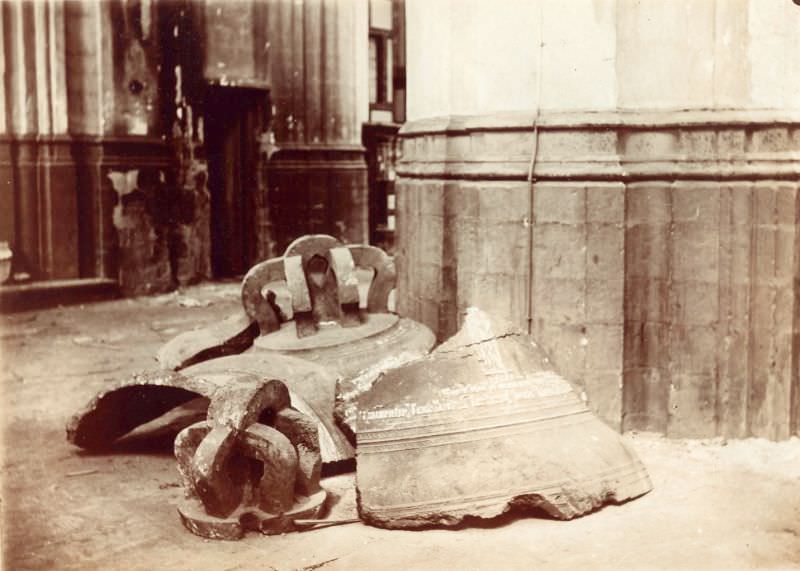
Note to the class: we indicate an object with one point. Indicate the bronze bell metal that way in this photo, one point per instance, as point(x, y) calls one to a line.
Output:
point(253, 464)
point(481, 425)
point(317, 317)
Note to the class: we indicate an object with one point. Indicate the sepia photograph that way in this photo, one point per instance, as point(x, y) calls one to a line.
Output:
point(344, 285)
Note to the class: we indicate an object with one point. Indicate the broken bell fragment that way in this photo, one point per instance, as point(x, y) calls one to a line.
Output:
point(481, 425)
point(159, 404)
point(324, 303)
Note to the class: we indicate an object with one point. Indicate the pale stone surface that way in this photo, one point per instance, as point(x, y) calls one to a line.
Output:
point(599, 55)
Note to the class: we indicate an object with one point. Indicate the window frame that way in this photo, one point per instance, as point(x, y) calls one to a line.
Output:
point(383, 88)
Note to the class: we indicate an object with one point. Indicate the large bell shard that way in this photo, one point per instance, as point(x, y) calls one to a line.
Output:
point(482, 425)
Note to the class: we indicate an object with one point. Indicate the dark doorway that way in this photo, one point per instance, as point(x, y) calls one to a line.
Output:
point(234, 119)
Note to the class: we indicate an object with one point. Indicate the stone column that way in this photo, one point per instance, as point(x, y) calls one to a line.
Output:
point(318, 177)
point(122, 162)
point(711, 222)
point(40, 212)
point(561, 171)
point(90, 102)
point(472, 229)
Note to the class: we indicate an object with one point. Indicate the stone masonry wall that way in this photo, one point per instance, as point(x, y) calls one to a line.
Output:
point(664, 251)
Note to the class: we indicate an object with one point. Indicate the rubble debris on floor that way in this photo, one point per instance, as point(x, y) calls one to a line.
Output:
point(481, 426)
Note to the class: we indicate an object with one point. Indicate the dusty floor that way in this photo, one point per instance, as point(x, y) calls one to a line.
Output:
point(715, 506)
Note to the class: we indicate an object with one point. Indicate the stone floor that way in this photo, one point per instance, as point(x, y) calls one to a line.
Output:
point(714, 506)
